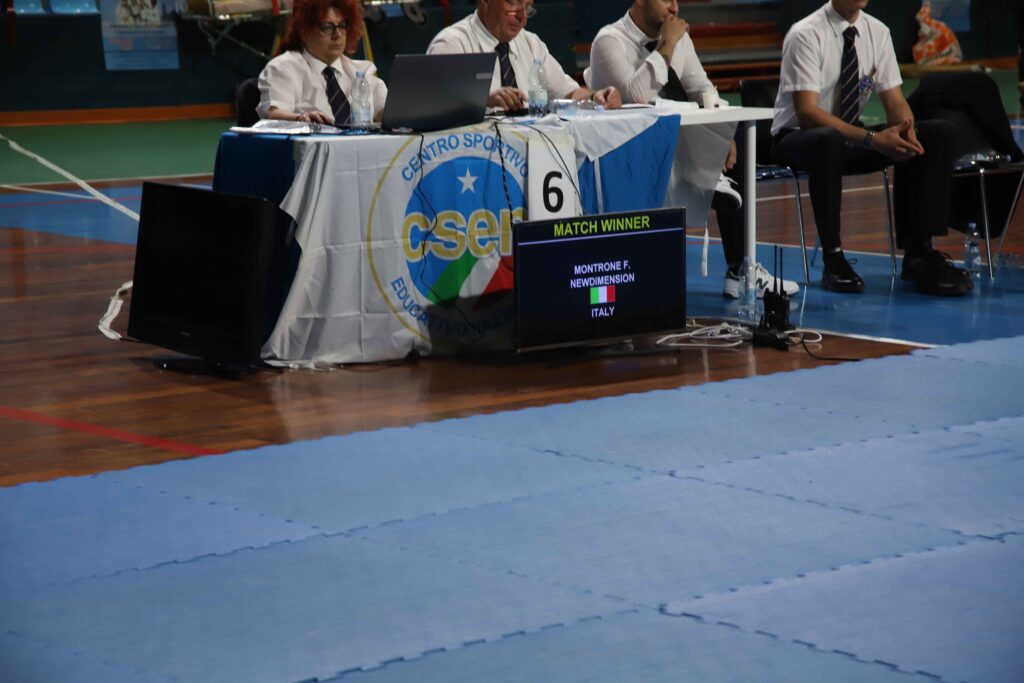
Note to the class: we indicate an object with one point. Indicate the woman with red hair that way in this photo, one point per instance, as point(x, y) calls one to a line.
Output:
point(311, 78)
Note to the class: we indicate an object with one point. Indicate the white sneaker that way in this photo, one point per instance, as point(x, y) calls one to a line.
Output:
point(725, 186)
point(732, 287)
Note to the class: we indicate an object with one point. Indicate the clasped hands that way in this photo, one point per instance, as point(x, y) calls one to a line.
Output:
point(898, 142)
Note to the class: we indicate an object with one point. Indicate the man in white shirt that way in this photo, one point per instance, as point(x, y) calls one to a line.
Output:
point(831, 62)
point(500, 26)
point(295, 85)
point(648, 53)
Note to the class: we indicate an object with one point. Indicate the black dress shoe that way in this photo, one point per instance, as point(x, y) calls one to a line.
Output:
point(935, 274)
point(839, 276)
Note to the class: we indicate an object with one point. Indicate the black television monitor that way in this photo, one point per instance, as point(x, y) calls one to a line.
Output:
point(211, 272)
point(599, 278)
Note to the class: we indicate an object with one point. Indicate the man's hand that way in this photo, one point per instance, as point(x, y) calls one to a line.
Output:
point(507, 98)
point(898, 142)
point(672, 31)
point(301, 117)
point(316, 117)
point(730, 158)
point(609, 98)
point(909, 133)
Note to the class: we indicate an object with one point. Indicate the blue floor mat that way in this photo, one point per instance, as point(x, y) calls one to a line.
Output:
point(908, 393)
point(648, 541)
point(342, 483)
point(674, 427)
point(955, 613)
point(1008, 352)
point(29, 661)
point(829, 517)
point(948, 467)
point(292, 611)
point(717, 422)
point(632, 647)
point(49, 532)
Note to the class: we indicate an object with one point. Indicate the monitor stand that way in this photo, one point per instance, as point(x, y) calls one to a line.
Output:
point(192, 365)
point(610, 349)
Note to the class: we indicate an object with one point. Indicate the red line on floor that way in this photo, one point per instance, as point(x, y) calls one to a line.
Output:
point(98, 430)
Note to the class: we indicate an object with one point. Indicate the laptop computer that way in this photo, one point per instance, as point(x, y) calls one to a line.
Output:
point(599, 278)
point(434, 92)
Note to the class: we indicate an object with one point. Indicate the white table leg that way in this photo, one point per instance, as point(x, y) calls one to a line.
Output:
point(749, 189)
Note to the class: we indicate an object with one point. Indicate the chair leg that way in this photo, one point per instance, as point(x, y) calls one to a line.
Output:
point(888, 215)
point(800, 224)
point(984, 222)
point(1013, 209)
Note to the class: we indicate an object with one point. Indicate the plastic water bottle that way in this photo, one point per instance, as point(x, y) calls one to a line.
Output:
point(566, 109)
point(748, 294)
point(362, 102)
point(972, 250)
point(538, 94)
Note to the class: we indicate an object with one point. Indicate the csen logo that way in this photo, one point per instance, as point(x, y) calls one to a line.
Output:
point(452, 205)
point(462, 193)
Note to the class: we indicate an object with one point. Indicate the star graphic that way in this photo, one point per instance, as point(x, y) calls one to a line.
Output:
point(468, 181)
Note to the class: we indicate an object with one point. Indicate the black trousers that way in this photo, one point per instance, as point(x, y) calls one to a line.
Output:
point(920, 185)
point(730, 216)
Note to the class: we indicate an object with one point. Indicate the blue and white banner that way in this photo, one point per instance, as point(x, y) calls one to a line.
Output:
point(407, 240)
point(406, 245)
point(139, 34)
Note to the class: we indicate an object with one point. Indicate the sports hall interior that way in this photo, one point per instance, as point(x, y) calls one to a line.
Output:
point(848, 509)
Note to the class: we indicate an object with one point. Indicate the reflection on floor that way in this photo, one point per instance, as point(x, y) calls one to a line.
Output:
point(888, 309)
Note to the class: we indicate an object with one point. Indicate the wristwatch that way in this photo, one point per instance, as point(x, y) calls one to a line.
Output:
point(868, 137)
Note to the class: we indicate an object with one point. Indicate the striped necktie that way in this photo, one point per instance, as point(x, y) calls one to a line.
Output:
point(336, 98)
point(508, 76)
point(849, 78)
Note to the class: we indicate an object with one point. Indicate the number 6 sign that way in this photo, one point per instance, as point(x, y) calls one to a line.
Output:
point(552, 190)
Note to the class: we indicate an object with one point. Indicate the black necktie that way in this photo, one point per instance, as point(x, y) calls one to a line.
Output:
point(508, 76)
point(849, 78)
point(336, 98)
point(673, 89)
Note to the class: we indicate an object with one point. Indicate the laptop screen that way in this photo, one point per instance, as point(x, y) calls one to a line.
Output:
point(601, 277)
point(434, 92)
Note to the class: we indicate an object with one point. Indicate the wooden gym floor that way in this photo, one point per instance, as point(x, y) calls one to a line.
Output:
point(76, 403)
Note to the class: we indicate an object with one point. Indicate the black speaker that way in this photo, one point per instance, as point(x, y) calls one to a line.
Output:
point(212, 271)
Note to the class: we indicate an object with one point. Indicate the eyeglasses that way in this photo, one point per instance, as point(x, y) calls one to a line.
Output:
point(328, 29)
point(515, 6)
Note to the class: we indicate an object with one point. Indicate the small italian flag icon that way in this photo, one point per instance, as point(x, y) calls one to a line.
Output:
point(602, 295)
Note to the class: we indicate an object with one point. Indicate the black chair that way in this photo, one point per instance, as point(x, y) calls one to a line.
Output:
point(977, 157)
point(247, 97)
point(762, 93)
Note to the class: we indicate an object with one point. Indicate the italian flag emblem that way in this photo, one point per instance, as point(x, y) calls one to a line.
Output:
point(602, 295)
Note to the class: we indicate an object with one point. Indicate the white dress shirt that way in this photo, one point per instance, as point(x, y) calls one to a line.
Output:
point(470, 35)
point(619, 57)
point(294, 81)
point(812, 56)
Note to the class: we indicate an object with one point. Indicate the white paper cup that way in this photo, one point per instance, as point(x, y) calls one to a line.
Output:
point(709, 100)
